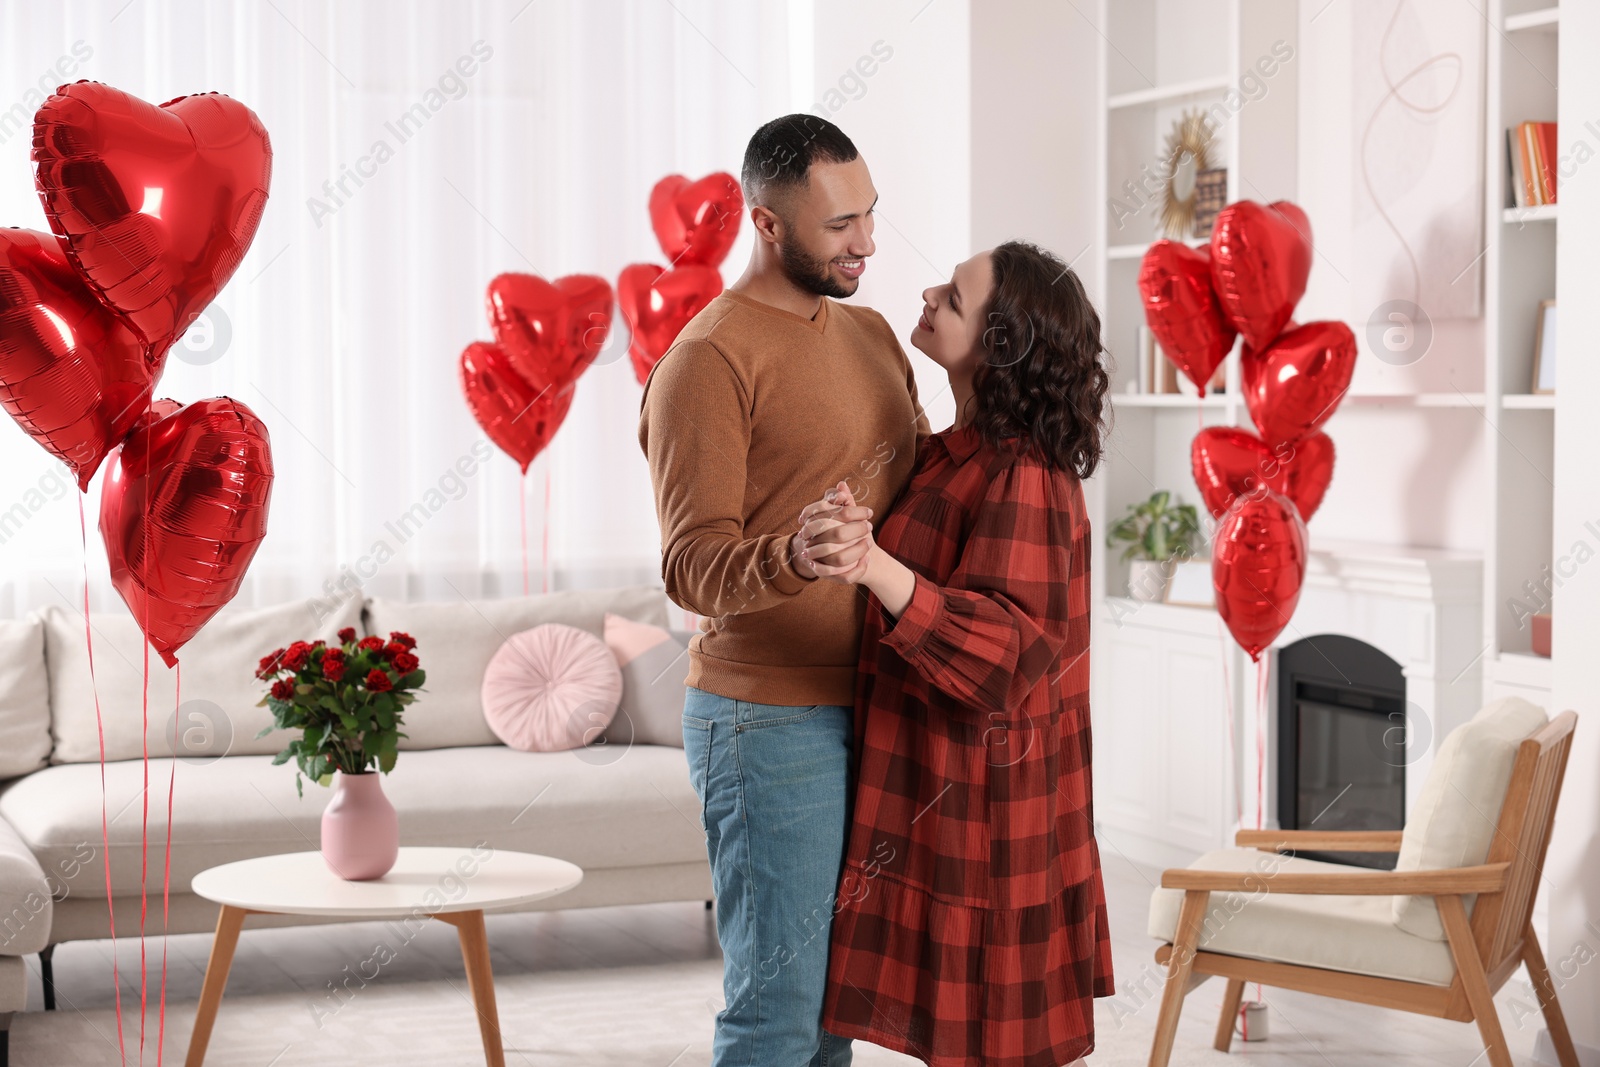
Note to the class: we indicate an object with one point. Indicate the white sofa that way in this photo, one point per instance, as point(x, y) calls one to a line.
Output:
point(626, 813)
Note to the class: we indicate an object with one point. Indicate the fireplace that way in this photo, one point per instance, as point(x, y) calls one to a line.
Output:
point(1342, 749)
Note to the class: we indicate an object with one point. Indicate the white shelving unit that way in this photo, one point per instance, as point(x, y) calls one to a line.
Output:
point(1522, 84)
point(1162, 672)
point(1161, 668)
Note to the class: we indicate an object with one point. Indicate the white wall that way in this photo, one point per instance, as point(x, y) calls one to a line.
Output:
point(1033, 130)
point(1573, 864)
point(910, 120)
point(1403, 477)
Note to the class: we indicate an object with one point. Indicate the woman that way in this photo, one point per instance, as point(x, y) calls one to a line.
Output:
point(970, 924)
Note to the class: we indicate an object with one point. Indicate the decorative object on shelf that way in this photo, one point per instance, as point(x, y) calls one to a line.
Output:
point(1544, 349)
point(1181, 309)
point(1156, 532)
point(1190, 585)
point(1541, 634)
point(1260, 261)
point(1187, 153)
point(1258, 564)
point(1211, 193)
point(1229, 463)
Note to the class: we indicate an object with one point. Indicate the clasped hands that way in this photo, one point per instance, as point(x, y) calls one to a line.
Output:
point(835, 538)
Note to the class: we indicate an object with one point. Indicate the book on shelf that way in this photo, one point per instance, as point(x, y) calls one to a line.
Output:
point(1531, 163)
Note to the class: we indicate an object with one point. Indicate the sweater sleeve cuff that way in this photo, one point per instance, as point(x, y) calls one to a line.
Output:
point(912, 629)
point(788, 579)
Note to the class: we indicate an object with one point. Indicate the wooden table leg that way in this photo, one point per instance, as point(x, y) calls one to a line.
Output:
point(222, 946)
point(480, 980)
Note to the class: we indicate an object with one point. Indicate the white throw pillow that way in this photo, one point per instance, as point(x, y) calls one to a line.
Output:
point(218, 715)
point(1458, 806)
point(24, 697)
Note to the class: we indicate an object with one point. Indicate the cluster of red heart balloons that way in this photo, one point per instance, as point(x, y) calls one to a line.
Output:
point(696, 224)
point(152, 209)
point(546, 334)
point(1262, 487)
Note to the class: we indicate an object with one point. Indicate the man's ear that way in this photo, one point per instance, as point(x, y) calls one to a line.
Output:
point(768, 226)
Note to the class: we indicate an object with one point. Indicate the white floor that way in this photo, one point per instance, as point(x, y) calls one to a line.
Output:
point(636, 986)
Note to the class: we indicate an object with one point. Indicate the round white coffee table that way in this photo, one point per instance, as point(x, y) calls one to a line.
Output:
point(453, 885)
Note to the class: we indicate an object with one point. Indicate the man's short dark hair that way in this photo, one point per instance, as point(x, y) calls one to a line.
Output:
point(781, 153)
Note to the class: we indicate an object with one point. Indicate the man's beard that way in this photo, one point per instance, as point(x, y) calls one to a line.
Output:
point(810, 273)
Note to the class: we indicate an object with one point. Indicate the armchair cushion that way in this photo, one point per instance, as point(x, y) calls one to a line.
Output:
point(1459, 804)
point(1356, 934)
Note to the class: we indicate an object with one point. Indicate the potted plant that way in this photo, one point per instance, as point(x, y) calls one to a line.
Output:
point(346, 701)
point(1157, 532)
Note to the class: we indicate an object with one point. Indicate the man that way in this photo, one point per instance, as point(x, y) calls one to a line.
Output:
point(770, 395)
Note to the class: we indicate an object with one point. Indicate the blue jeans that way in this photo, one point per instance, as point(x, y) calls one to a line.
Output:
point(775, 805)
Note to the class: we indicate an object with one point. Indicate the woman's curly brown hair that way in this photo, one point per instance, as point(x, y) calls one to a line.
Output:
point(1041, 379)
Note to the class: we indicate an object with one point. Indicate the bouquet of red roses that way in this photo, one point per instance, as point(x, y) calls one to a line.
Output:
point(345, 700)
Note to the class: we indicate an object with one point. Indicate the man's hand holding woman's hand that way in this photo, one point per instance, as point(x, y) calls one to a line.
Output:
point(835, 538)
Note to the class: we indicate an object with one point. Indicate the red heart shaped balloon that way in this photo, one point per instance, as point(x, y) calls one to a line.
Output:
point(182, 511)
point(1258, 565)
point(1308, 471)
point(1260, 260)
point(73, 376)
point(1293, 385)
point(1182, 311)
point(657, 304)
point(515, 415)
point(696, 222)
point(155, 205)
point(1229, 463)
point(550, 331)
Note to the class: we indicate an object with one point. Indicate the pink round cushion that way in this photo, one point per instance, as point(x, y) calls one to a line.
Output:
point(551, 688)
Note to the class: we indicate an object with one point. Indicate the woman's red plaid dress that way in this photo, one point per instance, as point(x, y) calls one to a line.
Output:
point(970, 925)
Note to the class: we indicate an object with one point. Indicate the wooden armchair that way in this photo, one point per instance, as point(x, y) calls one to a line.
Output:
point(1482, 951)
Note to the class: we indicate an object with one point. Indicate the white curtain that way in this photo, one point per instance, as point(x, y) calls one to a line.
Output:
point(343, 326)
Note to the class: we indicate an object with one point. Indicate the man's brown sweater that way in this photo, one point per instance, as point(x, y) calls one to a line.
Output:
point(754, 413)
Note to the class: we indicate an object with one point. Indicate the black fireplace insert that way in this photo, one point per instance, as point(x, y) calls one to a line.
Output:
point(1341, 742)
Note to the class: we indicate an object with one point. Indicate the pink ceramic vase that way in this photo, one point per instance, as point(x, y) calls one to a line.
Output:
point(360, 829)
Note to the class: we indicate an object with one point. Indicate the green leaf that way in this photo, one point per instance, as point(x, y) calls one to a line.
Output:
point(326, 779)
point(386, 760)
